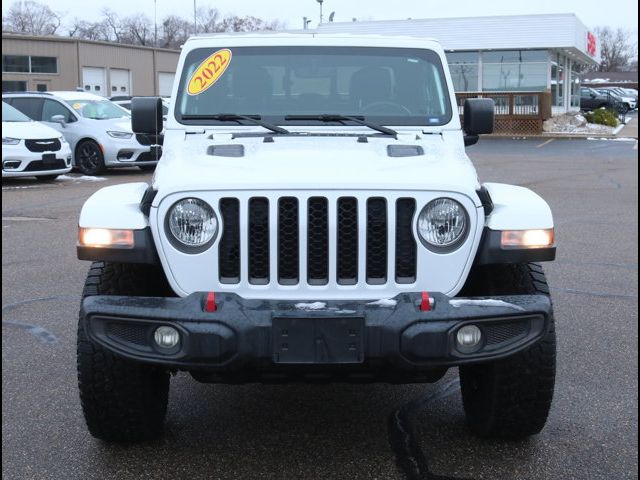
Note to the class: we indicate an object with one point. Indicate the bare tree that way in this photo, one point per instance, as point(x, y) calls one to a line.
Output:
point(31, 17)
point(208, 20)
point(174, 31)
point(89, 30)
point(616, 49)
point(136, 30)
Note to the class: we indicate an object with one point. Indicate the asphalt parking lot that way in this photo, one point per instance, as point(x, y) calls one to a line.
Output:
point(340, 431)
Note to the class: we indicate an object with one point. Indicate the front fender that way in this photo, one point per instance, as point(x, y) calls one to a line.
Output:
point(117, 206)
point(513, 208)
point(517, 208)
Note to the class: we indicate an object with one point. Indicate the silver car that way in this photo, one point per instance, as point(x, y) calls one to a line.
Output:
point(98, 131)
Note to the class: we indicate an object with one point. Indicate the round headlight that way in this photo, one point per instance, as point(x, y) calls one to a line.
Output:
point(192, 223)
point(443, 224)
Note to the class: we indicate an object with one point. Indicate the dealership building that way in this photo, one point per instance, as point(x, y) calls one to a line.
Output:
point(107, 69)
point(541, 54)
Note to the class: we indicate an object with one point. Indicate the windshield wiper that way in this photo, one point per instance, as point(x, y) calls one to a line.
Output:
point(233, 117)
point(329, 117)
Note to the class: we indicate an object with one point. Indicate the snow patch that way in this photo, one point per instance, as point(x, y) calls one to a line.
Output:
point(311, 306)
point(621, 139)
point(81, 178)
point(384, 302)
point(483, 303)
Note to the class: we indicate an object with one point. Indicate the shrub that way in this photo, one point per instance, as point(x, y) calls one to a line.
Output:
point(603, 116)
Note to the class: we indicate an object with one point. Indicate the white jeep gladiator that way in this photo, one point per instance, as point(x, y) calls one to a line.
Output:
point(315, 218)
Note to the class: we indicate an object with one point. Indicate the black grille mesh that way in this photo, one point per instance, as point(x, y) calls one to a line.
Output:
point(288, 241)
point(405, 241)
point(347, 251)
point(229, 248)
point(43, 145)
point(39, 165)
point(376, 240)
point(318, 241)
point(130, 333)
point(501, 332)
point(259, 241)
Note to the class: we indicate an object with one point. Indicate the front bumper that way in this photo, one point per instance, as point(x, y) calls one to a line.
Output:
point(249, 340)
point(129, 153)
point(17, 161)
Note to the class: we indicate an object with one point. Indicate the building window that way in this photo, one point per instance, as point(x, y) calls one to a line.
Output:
point(44, 65)
point(557, 81)
point(41, 87)
point(514, 70)
point(27, 64)
point(575, 84)
point(464, 71)
point(15, 63)
point(14, 86)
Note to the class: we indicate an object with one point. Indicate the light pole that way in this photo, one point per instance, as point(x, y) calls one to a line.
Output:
point(320, 2)
point(155, 23)
point(305, 23)
point(195, 24)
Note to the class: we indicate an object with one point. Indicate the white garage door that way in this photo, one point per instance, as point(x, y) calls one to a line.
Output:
point(165, 83)
point(119, 80)
point(93, 80)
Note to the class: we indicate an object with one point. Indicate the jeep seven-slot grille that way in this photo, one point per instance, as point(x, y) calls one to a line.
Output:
point(319, 237)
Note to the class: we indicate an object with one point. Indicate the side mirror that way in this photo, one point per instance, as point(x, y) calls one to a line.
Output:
point(59, 119)
point(146, 115)
point(478, 118)
point(593, 95)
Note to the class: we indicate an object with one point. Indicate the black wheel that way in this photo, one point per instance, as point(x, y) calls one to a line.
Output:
point(89, 157)
point(147, 168)
point(46, 178)
point(122, 401)
point(510, 398)
point(622, 108)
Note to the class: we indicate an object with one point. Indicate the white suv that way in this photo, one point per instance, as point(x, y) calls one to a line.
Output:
point(315, 217)
point(98, 131)
point(30, 149)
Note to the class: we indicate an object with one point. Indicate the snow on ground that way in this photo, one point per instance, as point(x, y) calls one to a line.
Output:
point(81, 178)
point(621, 139)
point(461, 302)
point(575, 123)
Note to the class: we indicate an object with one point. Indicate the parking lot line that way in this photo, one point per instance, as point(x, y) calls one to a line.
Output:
point(545, 143)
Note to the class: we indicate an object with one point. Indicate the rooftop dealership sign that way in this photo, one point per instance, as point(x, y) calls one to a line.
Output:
point(591, 44)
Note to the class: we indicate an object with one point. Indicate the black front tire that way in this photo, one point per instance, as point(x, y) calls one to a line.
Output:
point(510, 398)
point(122, 401)
point(89, 158)
point(46, 178)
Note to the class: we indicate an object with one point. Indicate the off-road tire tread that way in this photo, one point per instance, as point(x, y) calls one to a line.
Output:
point(122, 401)
point(517, 392)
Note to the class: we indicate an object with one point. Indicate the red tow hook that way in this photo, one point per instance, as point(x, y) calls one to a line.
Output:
point(426, 304)
point(210, 303)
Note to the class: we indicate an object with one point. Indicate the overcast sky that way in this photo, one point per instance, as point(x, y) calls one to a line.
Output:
point(616, 13)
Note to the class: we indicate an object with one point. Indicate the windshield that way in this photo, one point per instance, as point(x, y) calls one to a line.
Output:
point(10, 114)
point(97, 109)
point(392, 86)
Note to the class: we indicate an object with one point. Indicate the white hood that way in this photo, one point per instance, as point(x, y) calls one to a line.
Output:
point(314, 162)
point(28, 130)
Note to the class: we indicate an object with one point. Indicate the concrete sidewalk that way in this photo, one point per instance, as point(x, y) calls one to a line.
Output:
point(630, 130)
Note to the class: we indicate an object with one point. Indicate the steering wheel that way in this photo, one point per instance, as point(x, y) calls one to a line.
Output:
point(385, 103)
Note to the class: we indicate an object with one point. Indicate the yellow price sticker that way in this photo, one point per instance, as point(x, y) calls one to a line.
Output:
point(77, 106)
point(209, 71)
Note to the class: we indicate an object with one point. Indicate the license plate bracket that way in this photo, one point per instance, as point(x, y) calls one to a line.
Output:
point(320, 340)
point(48, 159)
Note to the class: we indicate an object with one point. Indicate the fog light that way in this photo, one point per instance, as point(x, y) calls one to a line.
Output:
point(166, 337)
point(469, 336)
